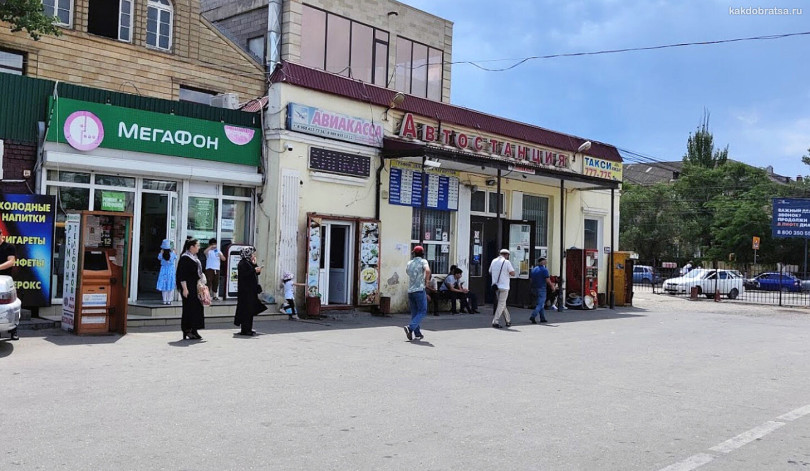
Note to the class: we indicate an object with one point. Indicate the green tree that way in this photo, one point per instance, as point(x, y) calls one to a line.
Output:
point(700, 147)
point(650, 221)
point(806, 158)
point(27, 15)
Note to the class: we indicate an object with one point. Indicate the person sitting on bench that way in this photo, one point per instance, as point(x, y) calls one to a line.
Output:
point(453, 289)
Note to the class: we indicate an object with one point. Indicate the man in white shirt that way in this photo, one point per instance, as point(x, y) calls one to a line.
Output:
point(500, 270)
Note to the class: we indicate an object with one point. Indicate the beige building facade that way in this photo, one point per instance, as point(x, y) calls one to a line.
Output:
point(117, 47)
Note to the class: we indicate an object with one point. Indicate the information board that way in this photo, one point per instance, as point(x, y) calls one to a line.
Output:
point(341, 163)
point(791, 217)
point(405, 186)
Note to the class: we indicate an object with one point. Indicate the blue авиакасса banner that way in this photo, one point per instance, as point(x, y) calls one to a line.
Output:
point(791, 217)
point(28, 222)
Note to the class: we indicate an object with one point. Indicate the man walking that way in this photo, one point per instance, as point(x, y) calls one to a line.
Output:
point(541, 283)
point(418, 275)
point(500, 270)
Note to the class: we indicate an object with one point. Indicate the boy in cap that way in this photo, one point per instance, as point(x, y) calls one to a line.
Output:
point(418, 276)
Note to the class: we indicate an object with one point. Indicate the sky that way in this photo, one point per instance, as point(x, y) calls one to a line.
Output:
point(756, 92)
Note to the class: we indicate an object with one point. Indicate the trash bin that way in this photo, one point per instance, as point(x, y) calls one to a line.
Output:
point(313, 306)
point(385, 304)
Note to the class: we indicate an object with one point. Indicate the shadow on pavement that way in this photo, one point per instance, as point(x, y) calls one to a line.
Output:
point(6, 347)
point(62, 338)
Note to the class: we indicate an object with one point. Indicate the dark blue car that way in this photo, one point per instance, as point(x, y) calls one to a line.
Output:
point(770, 281)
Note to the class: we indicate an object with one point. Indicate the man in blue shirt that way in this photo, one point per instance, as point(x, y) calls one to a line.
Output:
point(539, 277)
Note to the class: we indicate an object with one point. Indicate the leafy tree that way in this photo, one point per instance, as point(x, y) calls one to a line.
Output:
point(27, 15)
point(700, 147)
point(650, 221)
point(806, 158)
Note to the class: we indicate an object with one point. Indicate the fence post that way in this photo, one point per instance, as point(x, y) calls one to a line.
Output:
point(781, 269)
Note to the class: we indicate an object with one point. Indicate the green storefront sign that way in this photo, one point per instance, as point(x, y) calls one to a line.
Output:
point(86, 126)
point(113, 201)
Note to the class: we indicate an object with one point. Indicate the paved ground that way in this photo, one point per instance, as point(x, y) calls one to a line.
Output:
point(669, 384)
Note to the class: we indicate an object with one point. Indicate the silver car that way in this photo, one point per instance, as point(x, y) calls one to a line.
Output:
point(10, 305)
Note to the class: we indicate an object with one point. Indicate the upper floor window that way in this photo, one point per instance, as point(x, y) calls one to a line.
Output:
point(159, 24)
point(256, 47)
point(196, 95)
point(12, 62)
point(342, 46)
point(419, 69)
point(61, 9)
point(101, 17)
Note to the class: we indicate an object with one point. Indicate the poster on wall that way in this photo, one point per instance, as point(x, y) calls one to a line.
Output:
point(313, 256)
point(71, 242)
point(369, 266)
point(406, 184)
point(28, 222)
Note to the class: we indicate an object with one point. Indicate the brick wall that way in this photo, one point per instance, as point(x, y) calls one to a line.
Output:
point(18, 156)
point(201, 57)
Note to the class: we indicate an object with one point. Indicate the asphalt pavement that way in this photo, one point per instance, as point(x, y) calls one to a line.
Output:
point(667, 384)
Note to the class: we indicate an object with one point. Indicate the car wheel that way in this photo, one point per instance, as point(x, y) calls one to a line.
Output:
point(733, 293)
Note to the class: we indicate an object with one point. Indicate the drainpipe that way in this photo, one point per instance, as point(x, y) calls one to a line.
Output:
point(561, 296)
point(499, 238)
point(379, 189)
point(612, 248)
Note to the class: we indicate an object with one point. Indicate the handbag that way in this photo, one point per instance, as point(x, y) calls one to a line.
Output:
point(495, 285)
point(203, 294)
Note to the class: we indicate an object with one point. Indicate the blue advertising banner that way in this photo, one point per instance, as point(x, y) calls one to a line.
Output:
point(27, 222)
point(406, 184)
point(791, 217)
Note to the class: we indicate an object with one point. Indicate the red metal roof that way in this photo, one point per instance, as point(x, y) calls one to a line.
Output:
point(295, 74)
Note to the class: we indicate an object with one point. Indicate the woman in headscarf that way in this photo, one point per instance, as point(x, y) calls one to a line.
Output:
point(248, 289)
point(189, 272)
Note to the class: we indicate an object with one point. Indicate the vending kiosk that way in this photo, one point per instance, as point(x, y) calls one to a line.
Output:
point(582, 271)
point(97, 261)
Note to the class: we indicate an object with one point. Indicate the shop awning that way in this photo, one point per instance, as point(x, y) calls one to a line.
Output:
point(455, 159)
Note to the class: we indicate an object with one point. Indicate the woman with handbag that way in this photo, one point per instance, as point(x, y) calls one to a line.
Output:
point(248, 289)
point(191, 283)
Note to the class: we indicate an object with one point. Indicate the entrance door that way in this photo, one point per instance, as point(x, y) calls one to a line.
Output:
point(484, 249)
point(337, 247)
point(154, 227)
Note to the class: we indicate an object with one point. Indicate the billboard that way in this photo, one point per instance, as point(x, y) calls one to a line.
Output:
point(28, 222)
point(791, 217)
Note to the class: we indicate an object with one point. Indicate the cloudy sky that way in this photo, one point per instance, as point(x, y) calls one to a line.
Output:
point(757, 92)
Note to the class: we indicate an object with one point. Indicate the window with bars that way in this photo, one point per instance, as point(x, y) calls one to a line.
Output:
point(535, 209)
point(435, 240)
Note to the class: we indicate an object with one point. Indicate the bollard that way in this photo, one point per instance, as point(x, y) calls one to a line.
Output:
point(717, 295)
point(693, 293)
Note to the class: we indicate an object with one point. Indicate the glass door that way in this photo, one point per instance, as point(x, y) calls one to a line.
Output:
point(156, 218)
point(337, 262)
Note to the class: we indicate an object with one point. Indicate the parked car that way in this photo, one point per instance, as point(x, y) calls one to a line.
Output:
point(728, 282)
point(646, 274)
point(771, 281)
point(10, 305)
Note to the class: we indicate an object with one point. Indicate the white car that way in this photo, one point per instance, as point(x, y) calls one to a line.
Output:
point(728, 282)
point(10, 305)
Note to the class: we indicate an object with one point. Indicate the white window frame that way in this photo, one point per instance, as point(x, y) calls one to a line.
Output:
point(121, 24)
point(489, 212)
point(53, 13)
point(159, 7)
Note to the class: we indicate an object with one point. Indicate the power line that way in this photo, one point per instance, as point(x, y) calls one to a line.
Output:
point(523, 60)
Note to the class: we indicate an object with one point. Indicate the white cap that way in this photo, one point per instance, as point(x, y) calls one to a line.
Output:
point(504, 251)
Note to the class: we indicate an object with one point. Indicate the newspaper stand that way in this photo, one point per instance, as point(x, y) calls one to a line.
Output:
point(97, 263)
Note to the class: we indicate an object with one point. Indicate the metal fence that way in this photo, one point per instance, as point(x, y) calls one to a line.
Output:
point(758, 284)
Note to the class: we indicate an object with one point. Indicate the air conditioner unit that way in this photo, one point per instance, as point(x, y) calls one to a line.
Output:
point(226, 100)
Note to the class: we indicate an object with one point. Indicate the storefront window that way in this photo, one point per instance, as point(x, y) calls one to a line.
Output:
point(110, 180)
point(591, 231)
point(535, 209)
point(67, 199)
point(202, 219)
point(159, 185)
point(436, 240)
point(68, 177)
point(486, 203)
point(236, 191)
point(235, 222)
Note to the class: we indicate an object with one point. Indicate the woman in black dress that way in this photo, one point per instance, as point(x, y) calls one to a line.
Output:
point(248, 289)
point(189, 272)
